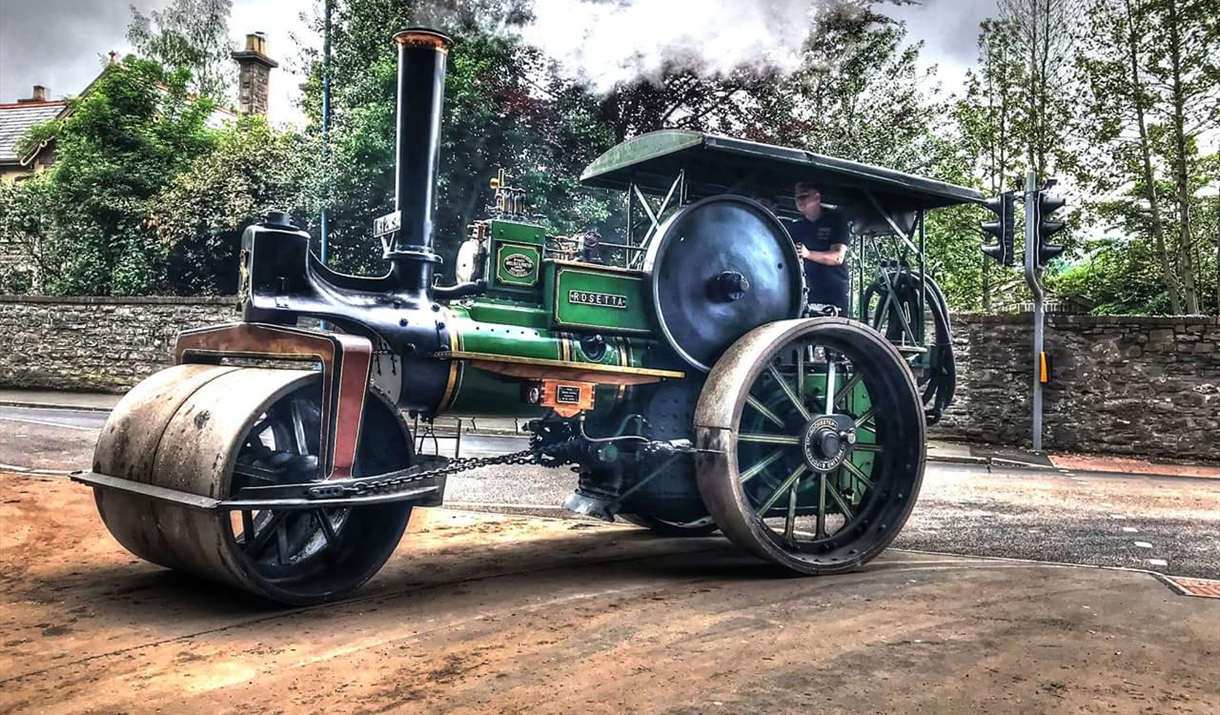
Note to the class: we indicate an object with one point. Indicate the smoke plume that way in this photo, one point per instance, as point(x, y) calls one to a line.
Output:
point(605, 42)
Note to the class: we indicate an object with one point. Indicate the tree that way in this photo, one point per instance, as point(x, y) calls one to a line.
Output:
point(1045, 33)
point(1185, 73)
point(115, 150)
point(989, 128)
point(200, 214)
point(1118, 97)
point(504, 107)
point(1150, 72)
point(192, 34)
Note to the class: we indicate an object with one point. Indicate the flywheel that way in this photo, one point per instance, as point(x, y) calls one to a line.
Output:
point(811, 439)
point(214, 430)
point(717, 269)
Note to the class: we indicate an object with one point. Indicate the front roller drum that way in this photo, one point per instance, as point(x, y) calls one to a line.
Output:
point(812, 444)
point(214, 430)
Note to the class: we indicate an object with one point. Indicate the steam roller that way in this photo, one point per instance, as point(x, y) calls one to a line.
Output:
point(690, 394)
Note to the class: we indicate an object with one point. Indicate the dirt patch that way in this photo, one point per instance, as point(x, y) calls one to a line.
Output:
point(482, 613)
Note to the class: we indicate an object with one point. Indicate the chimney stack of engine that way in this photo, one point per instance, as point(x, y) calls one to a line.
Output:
point(421, 91)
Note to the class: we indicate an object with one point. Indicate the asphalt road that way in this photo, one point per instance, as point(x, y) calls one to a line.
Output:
point(1170, 525)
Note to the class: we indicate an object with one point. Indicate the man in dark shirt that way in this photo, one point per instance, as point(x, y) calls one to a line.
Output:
point(821, 238)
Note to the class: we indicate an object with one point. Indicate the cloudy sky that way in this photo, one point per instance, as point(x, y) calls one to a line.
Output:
point(62, 44)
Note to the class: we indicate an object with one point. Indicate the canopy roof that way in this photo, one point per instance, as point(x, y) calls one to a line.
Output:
point(717, 165)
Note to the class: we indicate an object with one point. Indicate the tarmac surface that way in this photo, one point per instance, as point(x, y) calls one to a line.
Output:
point(487, 613)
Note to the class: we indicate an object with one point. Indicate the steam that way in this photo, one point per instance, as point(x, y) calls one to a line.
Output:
point(607, 42)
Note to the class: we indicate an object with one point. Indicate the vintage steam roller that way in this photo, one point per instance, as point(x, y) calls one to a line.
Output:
point(685, 386)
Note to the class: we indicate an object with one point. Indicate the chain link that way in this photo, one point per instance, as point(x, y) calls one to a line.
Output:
point(391, 483)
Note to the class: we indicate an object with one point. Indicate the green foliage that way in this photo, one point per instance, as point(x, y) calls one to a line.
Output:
point(504, 107)
point(189, 34)
point(200, 215)
point(115, 150)
point(1118, 276)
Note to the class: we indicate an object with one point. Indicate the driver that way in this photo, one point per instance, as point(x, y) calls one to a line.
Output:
point(821, 241)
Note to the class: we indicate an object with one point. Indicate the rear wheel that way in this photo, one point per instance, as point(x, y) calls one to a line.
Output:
point(813, 439)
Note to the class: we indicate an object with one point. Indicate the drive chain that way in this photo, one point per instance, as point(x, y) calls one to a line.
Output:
point(394, 481)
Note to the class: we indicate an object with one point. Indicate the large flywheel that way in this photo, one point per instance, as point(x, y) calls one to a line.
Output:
point(812, 444)
point(212, 431)
point(719, 268)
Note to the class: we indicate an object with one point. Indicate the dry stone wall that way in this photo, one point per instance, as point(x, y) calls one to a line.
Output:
point(1140, 386)
point(96, 344)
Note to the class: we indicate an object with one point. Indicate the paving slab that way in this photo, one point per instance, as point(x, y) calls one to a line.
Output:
point(485, 613)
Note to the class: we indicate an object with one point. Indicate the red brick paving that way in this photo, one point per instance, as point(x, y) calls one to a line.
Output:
point(1090, 463)
point(1207, 588)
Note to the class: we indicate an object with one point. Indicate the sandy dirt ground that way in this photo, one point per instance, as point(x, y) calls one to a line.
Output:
point(484, 613)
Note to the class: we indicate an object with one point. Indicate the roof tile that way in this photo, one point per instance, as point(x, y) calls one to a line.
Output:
point(16, 119)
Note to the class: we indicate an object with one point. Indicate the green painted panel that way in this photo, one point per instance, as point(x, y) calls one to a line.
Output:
point(590, 297)
point(504, 312)
point(518, 232)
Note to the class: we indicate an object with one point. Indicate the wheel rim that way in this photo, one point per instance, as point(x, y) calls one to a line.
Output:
point(306, 555)
point(817, 485)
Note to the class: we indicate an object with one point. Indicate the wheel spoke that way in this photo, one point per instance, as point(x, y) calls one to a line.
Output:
point(830, 383)
point(820, 531)
point(789, 482)
point(757, 468)
point(868, 415)
point(281, 542)
point(848, 386)
point(868, 483)
point(769, 438)
point(790, 522)
point(870, 448)
point(328, 529)
point(783, 384)
point(800, 372)
point(260, 540)
point(848, 515)
point(247, 526)
point(762, 409)
point(298, 428)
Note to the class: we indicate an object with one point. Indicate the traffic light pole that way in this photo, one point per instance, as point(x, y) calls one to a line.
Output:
point(1031, 277)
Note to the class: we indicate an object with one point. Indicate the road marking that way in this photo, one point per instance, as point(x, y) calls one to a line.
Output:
point(1131, 530)
point(51, 424)
point(1143, 544)
point(1158, 562)
point(1117, 516)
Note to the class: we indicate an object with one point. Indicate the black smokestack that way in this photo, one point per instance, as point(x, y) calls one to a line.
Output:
point(421, 91)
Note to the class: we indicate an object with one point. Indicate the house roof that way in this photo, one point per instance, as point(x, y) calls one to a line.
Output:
point(17, 118)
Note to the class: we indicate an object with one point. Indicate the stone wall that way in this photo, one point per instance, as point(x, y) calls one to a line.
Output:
point(1141, 386)
point(95, 344)
point(1124, 385)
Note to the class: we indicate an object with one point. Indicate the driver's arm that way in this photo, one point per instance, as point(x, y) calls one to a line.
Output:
point(834, 257)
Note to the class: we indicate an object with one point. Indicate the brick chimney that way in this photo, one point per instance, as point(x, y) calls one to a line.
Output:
point(254, 74)
point(40, 95)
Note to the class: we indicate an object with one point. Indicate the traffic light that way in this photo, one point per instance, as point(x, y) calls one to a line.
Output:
point(1047, 205)
point(1003, 207)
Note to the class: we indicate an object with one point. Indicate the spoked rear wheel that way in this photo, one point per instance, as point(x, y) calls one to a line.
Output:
point(814, 433)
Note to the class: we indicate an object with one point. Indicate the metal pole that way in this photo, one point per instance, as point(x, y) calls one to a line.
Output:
point(923, 279)
point(1031, 277)
point(326, 123)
